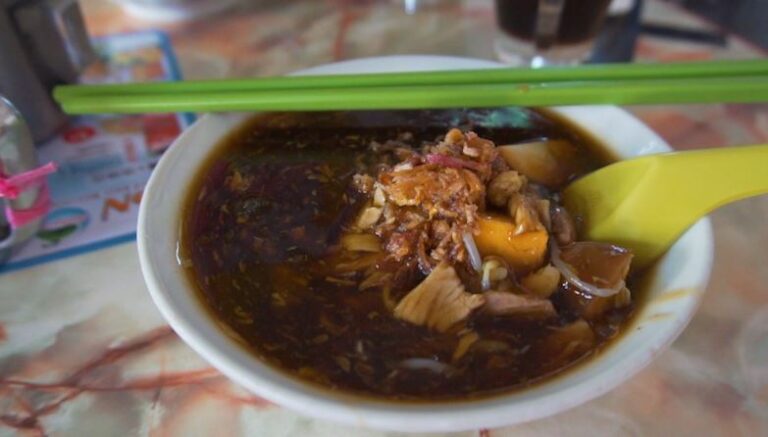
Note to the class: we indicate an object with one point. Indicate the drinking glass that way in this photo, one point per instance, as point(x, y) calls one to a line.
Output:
point(547, 32)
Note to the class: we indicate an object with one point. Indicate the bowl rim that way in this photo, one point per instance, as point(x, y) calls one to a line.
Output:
point(175, 299)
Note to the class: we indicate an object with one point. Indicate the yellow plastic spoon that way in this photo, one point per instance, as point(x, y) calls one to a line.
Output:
point(646, 203)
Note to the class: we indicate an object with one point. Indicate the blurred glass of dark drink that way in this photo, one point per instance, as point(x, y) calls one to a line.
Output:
point(548, 31)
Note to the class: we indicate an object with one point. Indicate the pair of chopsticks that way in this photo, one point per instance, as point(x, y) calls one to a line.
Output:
point(619, 84)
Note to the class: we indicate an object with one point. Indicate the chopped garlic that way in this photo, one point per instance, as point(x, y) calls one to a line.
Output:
point(368, 217)
point(378, 196)
point(542, 282)
point(361, 243)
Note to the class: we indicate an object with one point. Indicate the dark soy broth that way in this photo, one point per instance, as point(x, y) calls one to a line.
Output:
point(274, 197)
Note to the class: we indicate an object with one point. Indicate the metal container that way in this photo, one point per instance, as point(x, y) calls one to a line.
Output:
point(43, 43)
point(17, 156)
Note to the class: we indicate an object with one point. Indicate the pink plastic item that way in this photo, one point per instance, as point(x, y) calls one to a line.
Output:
point(11, 187)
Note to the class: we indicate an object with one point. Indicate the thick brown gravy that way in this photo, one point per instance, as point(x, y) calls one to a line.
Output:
point(273, 197)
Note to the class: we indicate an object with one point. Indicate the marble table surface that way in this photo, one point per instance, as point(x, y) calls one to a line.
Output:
point(84, 352)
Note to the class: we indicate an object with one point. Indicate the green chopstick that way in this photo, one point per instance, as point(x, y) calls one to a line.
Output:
point(745, 89)
point(602, 72)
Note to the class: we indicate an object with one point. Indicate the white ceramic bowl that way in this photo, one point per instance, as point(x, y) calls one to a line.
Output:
point(675, 291)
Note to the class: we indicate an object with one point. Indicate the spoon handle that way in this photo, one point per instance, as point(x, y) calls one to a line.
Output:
point(683, 187)
point(698, 182)
point(646, 203)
